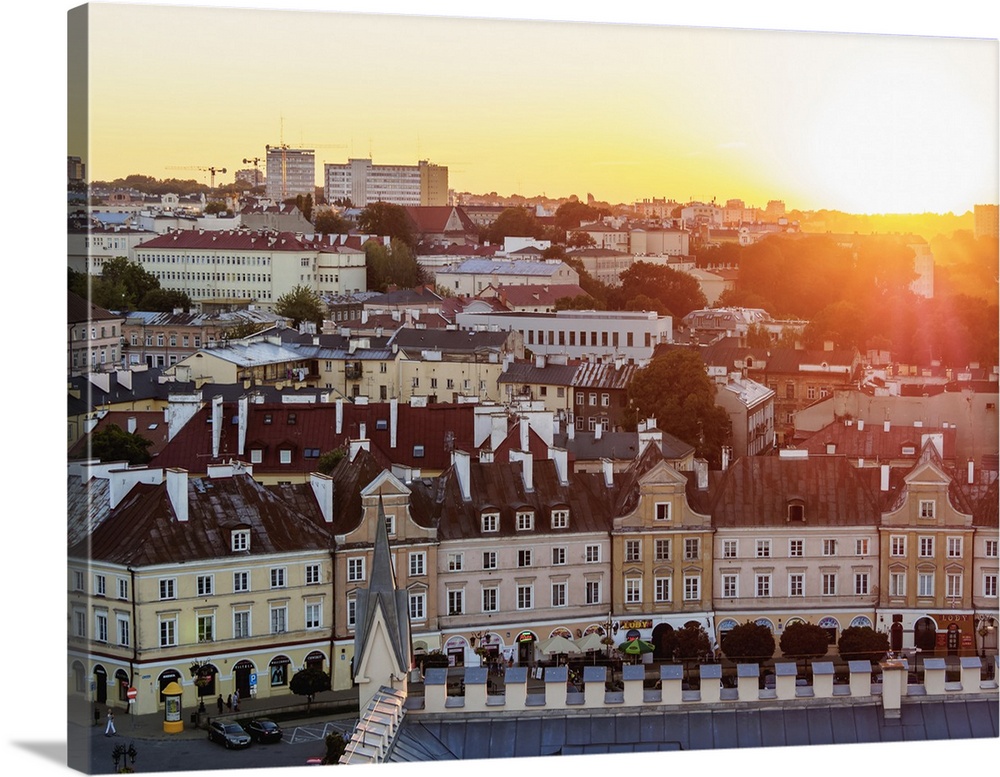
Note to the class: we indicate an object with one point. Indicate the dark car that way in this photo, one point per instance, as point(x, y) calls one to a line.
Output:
point(264, 730)
point(231, 735)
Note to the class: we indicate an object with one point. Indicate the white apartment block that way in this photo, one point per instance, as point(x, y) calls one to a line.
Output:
point(290, 172)
point(592, 335)
point(363, 183)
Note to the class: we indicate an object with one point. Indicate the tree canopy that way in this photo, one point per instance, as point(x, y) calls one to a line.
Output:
point(804, 640)
point(748, 642)
point(862, 643)
point(125, 286)
point(329, 222)
point(678, 293)
point(386, 219)
point(301, 304)
point(392, 266)
point(676, 390)
point(573, 213)
point(513, 222)
point(112, 443)
point(308, 682)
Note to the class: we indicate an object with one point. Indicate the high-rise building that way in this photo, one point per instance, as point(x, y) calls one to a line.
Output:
point(986, 224)
point(363, 183)
point(76, 170)
point(290, 172)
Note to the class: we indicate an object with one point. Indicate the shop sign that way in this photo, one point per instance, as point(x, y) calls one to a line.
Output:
point(639, 623)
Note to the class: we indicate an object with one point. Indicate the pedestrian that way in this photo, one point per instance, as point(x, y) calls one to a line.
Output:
point(229, 702)
point(236, 701)
point(109, 730)
point(219, 703)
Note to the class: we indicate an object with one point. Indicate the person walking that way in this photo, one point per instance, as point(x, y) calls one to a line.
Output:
point(236, 700)
point(229, 702)
point(109, 730)
point(220, 703)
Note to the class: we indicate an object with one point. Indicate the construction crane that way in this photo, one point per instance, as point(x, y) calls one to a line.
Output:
point(212, 170)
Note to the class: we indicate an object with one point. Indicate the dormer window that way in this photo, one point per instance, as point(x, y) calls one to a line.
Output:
point(525, 521)
point(927, 508)
point(909, 449)
point(267, 418)
point(662, 511)
point(240, 540)
point(796, 511)
point(491, 522)
point(560, 519)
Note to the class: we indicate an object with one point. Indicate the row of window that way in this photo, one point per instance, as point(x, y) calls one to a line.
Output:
point(831, 547)
point(449, 383)
point(204, 584)
point(662, 589)
point(603, 339)
point(764, 585)
point(82, 332)
point(247, 261)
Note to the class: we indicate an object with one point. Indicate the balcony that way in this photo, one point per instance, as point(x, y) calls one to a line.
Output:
point(353, 371)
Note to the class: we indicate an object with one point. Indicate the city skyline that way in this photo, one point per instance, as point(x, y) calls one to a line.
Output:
point(517, 107)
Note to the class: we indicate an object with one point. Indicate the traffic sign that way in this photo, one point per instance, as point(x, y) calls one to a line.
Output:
point(132, 693)
point(253, 679)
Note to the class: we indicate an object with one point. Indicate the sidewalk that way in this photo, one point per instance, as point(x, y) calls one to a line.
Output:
point(290, 712)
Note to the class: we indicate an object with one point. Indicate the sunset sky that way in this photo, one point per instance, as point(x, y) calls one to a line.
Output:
point(857, 122)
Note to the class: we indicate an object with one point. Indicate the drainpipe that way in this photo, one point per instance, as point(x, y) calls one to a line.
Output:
point(333, 613)
point(135, 636)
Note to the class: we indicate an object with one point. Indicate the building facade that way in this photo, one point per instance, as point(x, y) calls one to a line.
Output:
point(290, 172)
point(364, 183)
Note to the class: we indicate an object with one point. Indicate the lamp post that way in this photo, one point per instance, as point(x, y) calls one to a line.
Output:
point(986, 624)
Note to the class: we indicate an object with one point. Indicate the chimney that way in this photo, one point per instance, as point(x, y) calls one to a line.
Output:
point(527, 468)
point(363, 431)
point(356, 446)
point(885, 425)
point(132, 425)
point(340, 415)
point(216, 425)
point(861, 424)
point(540, 361)
point(972, 472)
point(498, 430)
point(177, 492)
point(701, 471)
point(524, 428)
point(461, 461)
point(570, 431)
point(608, 468)
point(727, 453)
point(393, 419)
point(242, 419)
point(884, 484)
point(322, 486)
point(598, 429)
point(561, 459)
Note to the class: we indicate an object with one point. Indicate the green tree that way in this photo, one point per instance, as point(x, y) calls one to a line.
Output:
point(678, 292)
point(165, 300)
point(579, 302)
point(676, 390)
point(123, 284)
point(758, 336)
point(305, 204)
point(748, 643)
point(580, 240)
point(112, 443)
point(335, 747)
point(513, 222)
point(804, 641)
point(308, 682)
point(570, 215)
point(392, 266)
point(329, 222)
point(862, 643)
point(214, 206)
point(301, 304)
point(243, 329)
point(385, 219)
point(692, 643)
point(326, 463)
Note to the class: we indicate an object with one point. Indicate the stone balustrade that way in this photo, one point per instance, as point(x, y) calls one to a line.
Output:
point(643, 686)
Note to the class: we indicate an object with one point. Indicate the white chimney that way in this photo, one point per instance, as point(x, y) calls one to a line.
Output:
point(598, 429)
point(121, 481)
point(524, 428)
point(363, 431)
point(393, 420)
point(462, 464)
point(322, 486)
point(861, 424)
point(177, 492)
point(701, 471)
point(972, 472)
point(527, 468)
point(608, 467)
point(340, 415)
point(356, 446)
point(884, 484)
point(885, 425)
point(727, 453)
point(498, 430)
point(540, 361)
point(132, 425)
point(561, 458)
point(242, 417)
point(216, 425)
point(570, 431)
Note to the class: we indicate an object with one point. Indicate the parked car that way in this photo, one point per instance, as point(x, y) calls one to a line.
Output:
point(231, 735)
point(264, 730)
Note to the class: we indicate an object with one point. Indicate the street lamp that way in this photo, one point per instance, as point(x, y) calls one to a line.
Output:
point(986, 625)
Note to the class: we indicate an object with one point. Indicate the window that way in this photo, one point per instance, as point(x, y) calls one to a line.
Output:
point(206, 628)
point(605, 400)
point(100, 585)
point(594, 592)
point(860, 583)
point(456, 562)
point(284, 456)
point(730, 548)
point(77, 580)
point(168, 632)
point(927, 508)
point(692, 548)
point(277, 577)
point(990, 585)
point(925, 584)
point(525, 595)
point(926, 547)
point(390, 524)
point(730, 586)
point(279, 619)
point(456, 602)
point(662, 511)
point(861, 547)
point(417, 564)
point(491, 522)
point(241, 540)
point(558, 594)
point(796, 510)
point(633, 550)
point(692, 588)
point(560, 519)
point(829, 547)
point(558, 557)
point(763, 548)
point(491, 598)
point(524, 557)
point(241, 624)
point(592, 554)
point(954, 547)
point(796, 584)
point(205, 585)
point(168, 588)
point(352, 612)
point(954, 585)
point(661, 589)
point(633, 590)
point(314, 615)
point(795, 548)
point(763, 585)
point(829, 584)
point(991, 549)
point(123, 588)
point(897, 546)
point(897, 584)
point(312, 574)
point(418, 451)
point(489, 559)
point(662, 550)
point(525, 521)
point(355, 569)
point(241, 581)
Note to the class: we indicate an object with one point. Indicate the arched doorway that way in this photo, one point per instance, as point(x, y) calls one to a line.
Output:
point(454, 648)
point(100, 684)
point(526, 647)
point(122, 684)
point(832, 626)
point(241, 677)
point(664, 641)
point(165, 678)
point(925, 635)
point(315, 660)
point(896, 636)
